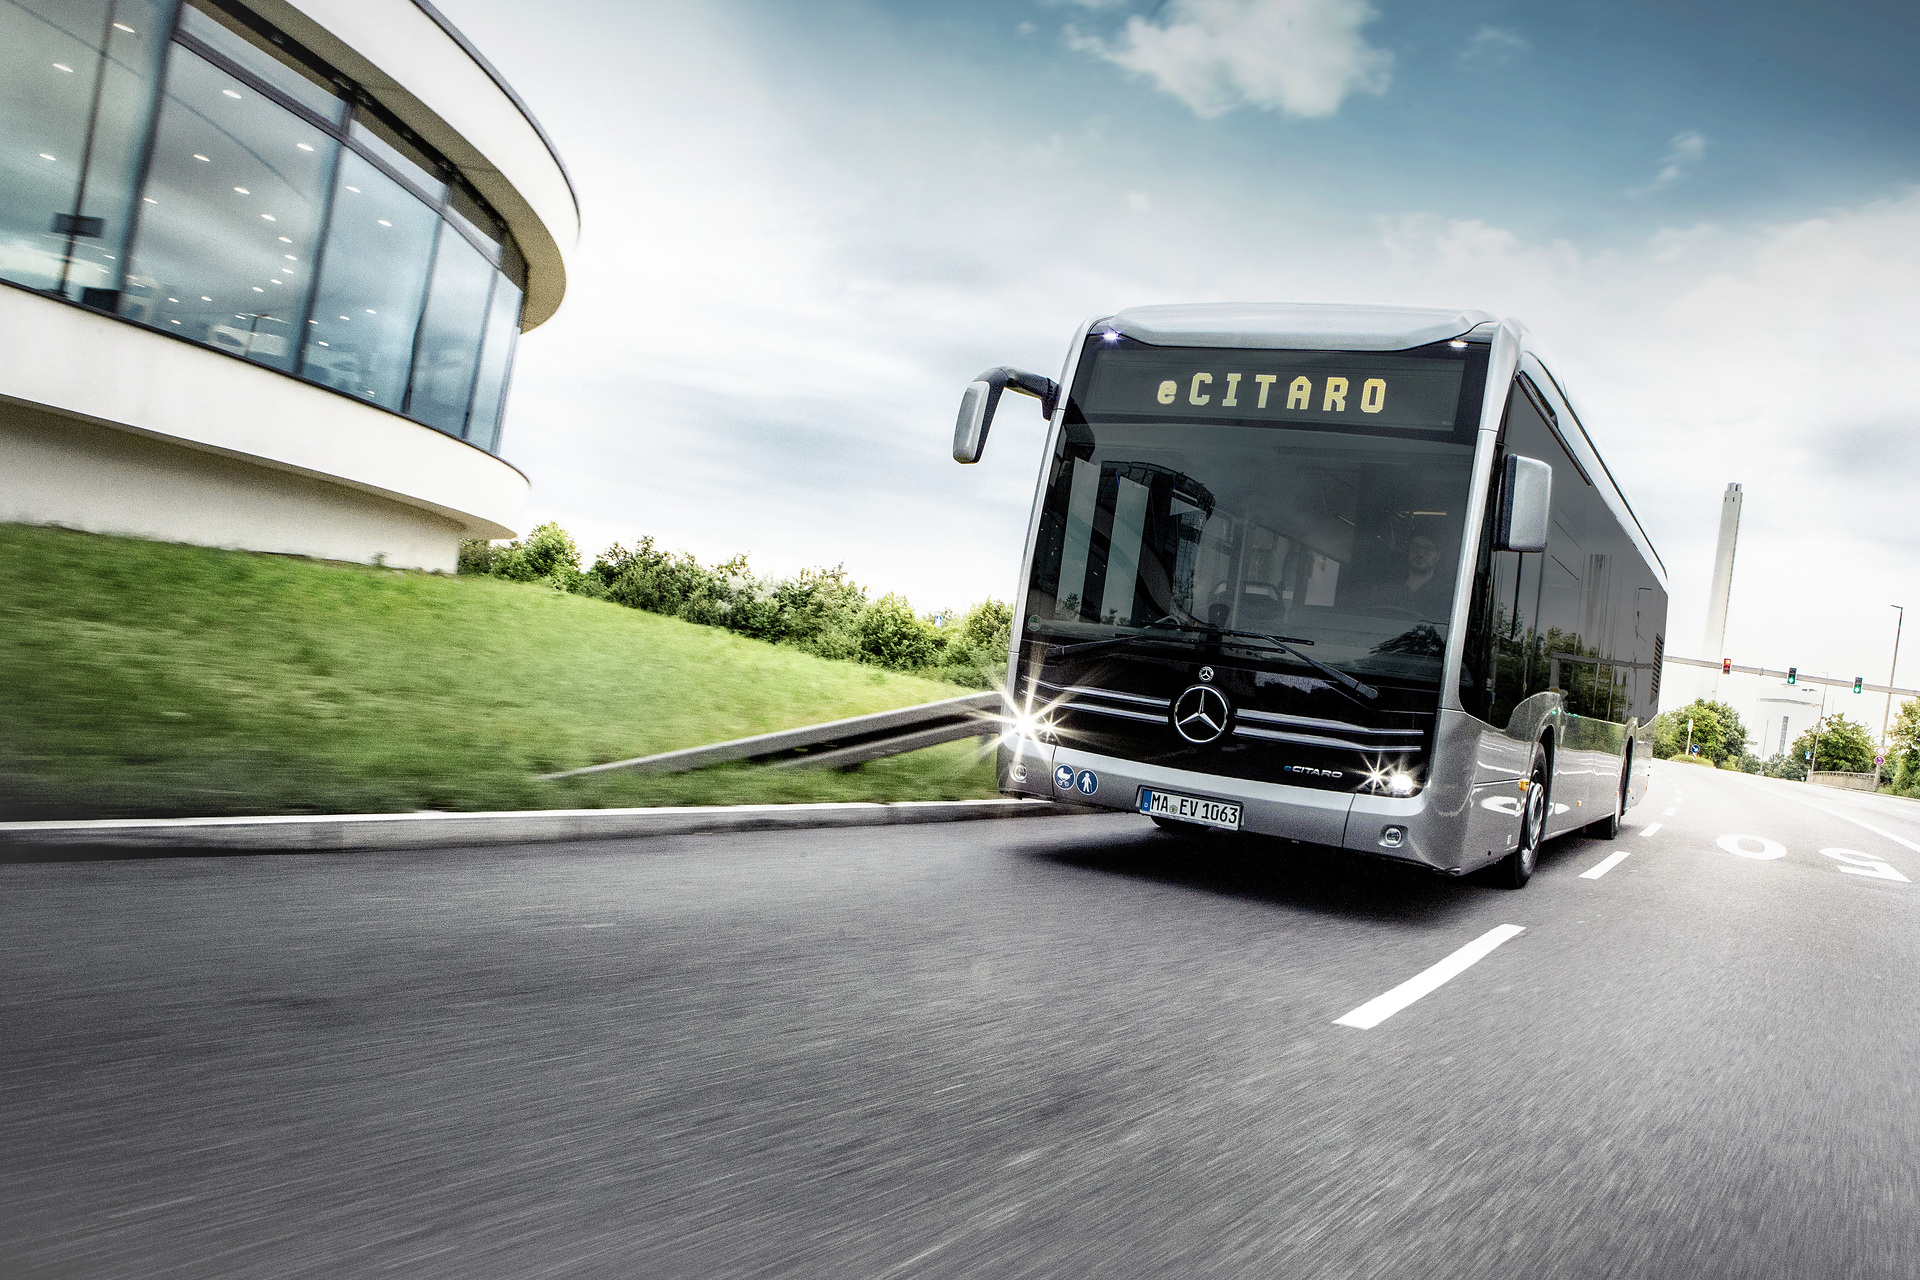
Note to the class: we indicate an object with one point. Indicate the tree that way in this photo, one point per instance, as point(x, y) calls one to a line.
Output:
point(1717, 732)
point(1838, 744)
point(1903, 748)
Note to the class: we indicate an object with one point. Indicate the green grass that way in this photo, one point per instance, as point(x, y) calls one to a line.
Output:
point(154, 679)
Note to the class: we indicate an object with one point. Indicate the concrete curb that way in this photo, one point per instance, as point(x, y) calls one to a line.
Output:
point(371, 831)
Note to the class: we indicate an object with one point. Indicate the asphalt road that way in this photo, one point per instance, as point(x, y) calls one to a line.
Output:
point(1054, 1048)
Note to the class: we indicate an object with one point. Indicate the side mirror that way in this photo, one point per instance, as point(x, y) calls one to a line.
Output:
point(1526, 505)
point(983, 397)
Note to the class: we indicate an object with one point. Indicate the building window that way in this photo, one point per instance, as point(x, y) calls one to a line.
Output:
point(372, 279)
point(235, 197)
point(260, 204)
point(77, 79)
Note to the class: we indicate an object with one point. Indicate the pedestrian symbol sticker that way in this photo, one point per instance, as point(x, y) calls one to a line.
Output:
point(1063, 777)
point(1086, 784)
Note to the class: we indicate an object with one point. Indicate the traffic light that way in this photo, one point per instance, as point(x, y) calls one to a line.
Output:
point(1793, 674)
point(1857, 681)
point(1726, 666)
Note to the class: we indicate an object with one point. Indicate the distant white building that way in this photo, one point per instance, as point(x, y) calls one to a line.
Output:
point(1784, 712)
point(263, 266)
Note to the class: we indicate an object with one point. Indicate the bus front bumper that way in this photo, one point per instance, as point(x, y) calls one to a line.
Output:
point(1404, 830)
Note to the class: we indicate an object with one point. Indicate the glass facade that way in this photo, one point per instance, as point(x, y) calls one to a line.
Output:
point(185, 167)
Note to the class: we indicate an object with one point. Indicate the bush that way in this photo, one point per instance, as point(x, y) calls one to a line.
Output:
point(891, 634)
point(822, 611)
point(1791, 767)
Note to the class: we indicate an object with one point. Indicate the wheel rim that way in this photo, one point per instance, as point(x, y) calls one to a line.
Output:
point(1536, 821)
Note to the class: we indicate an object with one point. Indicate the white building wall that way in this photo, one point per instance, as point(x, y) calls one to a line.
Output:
point(81, 476)
point(110, 383)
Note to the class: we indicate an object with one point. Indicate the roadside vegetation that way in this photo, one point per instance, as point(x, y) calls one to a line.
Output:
point(142, 678)
point(1717, 736)
point(821, 611)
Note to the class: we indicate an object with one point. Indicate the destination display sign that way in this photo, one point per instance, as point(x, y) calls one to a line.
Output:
point(1331, 388)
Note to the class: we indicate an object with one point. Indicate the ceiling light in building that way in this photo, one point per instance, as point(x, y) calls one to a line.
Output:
point(355, 190)
point(343, 317)
point(149, 199)
point(205, 298)
point(45, 156)
point(322, 344)
point(289, 257)
point(372, 312)
point(230, 93)
point(173, 322)
point(258, 289)
point(304, 146)
point(61, 66)
point(383, 222)
point(243, 191)
point(121, 26)
point(198, 156)
point(173, 299)
point(269, 217)
point(287, 270)
point(284, 240)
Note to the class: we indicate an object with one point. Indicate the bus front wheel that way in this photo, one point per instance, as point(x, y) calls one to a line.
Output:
point(1514, 870)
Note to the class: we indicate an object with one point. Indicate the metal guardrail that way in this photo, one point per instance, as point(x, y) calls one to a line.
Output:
point(835, 744)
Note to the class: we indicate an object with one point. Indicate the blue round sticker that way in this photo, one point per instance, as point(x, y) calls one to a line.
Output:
point(1063, 777)
point(1086, 784)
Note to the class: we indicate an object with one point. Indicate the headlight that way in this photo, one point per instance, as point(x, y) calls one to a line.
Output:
point(1399, 783)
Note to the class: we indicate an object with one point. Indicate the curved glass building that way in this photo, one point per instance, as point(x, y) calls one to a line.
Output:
point(269, 264)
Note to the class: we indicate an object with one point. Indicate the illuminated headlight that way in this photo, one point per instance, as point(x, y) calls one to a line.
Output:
point(1399, 783)
point(1031, 728)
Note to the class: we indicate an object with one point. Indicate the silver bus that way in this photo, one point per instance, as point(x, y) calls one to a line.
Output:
point(1354, 576)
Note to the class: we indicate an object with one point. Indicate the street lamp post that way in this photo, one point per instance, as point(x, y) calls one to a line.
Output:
point(1888, 713)
point(1813, 756)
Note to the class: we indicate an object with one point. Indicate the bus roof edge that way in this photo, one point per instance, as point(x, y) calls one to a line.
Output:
point(1301, 326)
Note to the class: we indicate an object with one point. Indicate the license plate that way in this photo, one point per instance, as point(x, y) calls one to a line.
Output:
point(1207, 813)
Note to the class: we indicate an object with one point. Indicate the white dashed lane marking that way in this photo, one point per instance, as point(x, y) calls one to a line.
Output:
point(1649, 829)
point(1381, 1007)
point(1607, 863)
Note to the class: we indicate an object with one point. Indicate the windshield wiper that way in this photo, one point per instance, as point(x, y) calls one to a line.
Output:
point(1171, 623)
point(1287, 642)
point(1168, 623)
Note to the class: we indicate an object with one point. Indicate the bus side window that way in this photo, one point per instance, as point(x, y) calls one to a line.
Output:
point(1505, 658)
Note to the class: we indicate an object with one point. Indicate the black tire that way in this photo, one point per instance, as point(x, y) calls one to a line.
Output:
point(1514, 870)
point(1608, 828)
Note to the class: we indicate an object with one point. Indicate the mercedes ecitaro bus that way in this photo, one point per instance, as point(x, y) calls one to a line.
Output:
point(1354, 576)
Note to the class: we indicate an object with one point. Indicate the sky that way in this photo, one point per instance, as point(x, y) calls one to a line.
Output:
point(806, 227)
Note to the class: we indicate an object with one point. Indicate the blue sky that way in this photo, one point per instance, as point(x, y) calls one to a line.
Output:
point(806, 226)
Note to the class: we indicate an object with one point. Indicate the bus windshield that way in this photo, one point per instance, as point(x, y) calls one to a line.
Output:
point(1342, 534)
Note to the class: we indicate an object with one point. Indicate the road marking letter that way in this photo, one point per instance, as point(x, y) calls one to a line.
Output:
point(1381, 1007)
point(1606, 864)
point(1863, 864)
point(1736, 845)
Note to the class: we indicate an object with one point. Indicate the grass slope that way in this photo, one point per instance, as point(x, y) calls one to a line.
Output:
point(143, 678)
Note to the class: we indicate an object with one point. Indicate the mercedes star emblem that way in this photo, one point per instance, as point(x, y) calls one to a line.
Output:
point(1206, 675)
point(1200, 714)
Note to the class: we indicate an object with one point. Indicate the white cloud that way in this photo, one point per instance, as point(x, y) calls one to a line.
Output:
point(1298, 57)
point(1493, 45)
point(1775, 357)
point(772, 315)
point(1684, 154)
